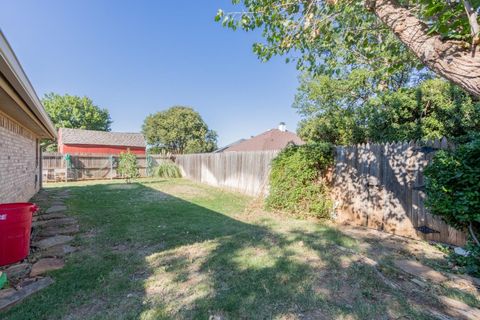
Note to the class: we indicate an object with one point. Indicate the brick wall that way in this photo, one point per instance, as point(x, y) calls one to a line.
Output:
point(19, 167)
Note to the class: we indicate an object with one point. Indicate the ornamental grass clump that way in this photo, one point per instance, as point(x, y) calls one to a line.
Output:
point(298, 183)
point(168, 169)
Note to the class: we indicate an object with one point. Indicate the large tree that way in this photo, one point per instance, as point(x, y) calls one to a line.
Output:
point(331, 36)
point(75, 112)
point(179, 130)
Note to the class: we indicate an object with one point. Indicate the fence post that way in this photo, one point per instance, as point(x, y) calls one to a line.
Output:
point(111, 167)
point(67, 159)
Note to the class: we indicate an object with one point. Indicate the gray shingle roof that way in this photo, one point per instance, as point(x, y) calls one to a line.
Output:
point(80, 136)
point(273, 139)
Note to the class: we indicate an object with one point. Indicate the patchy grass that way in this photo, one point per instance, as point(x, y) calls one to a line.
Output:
point(173, 249)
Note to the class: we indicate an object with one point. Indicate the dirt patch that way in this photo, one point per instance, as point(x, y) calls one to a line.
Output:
point(381, 244)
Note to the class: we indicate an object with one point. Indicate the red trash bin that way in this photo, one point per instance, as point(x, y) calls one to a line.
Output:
point(15, 227)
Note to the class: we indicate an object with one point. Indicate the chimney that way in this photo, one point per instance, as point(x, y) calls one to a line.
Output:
point(282, 127)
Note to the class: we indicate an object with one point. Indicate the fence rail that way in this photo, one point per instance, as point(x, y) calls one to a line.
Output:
point(246, 172)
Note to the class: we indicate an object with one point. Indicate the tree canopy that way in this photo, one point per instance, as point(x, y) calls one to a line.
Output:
point(433, 109)
point(69, 111)
point(332, 37)
point(179, 130)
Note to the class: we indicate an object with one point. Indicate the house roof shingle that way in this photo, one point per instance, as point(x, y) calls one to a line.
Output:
point(104, 138)
point(273, 139)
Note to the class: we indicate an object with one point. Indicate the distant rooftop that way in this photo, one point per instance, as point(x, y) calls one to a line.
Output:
point(274, 139)
point(93, 137)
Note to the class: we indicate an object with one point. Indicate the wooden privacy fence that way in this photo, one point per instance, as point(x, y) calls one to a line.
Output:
point(246, 172)
point(381, 186)
point(89, 166)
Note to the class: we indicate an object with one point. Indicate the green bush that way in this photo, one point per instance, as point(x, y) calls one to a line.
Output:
point(167, 169)
point(453, 192)
point(297, 180)
point(127, 166)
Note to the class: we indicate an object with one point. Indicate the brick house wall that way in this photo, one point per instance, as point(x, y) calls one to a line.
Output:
point(19, 162)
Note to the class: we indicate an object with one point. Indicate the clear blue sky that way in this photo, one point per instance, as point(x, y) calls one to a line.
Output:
point(138, 57)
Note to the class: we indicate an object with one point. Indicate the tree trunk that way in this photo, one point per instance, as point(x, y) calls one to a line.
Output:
point(453, 60)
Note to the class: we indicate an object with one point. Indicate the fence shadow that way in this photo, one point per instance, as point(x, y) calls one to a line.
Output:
point(382, 186)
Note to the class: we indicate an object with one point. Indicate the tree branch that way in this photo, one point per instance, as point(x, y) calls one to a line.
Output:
point(451, 59)
point(472, 20)
point(470, 228)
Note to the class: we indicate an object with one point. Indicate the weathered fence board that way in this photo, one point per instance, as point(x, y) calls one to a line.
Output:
point(246, 172)
point(382, 186)
point(88, 166)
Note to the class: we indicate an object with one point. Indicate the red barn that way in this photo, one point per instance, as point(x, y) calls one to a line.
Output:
point(99, 142)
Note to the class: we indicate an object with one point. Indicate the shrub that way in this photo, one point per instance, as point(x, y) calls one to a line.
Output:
point(127, 166)
point(297, 180)
point(453, 192)
point(167, 169)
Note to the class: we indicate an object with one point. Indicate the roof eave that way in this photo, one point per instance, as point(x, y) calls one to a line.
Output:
point(16, 76)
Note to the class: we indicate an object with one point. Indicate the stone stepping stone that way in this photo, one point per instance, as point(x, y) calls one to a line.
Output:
point(45, 265)
point(458, 309)
point(24, 292)
point(56, 230)
point(60, 250)
point(48, 216)
point(53, 209)
point(5, 293)
point(17, 271)
point(36, 224)
point(52, 241)
point(62, 195)
point(55, 222)
point(419, 270)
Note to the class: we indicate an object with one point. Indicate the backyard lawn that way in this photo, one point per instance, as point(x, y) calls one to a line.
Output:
point(163, 249)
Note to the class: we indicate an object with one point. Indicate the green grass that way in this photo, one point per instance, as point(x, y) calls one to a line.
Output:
point(170, 249)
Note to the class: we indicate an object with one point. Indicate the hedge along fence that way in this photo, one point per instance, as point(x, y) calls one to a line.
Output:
point(245, 172)
point(299, 181)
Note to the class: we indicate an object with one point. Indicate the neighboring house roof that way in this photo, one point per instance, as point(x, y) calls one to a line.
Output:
point(273, 139)
point(23, 104)
point(228, 146)
point(104, 138)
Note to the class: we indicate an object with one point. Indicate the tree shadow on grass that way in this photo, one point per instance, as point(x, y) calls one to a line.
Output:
point(147, 254)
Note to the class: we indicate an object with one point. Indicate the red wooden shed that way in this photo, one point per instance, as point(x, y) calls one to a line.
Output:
point(99, 142)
